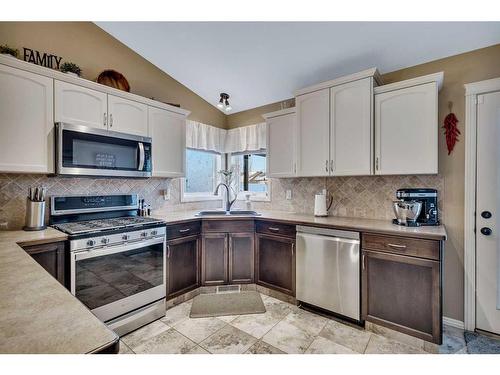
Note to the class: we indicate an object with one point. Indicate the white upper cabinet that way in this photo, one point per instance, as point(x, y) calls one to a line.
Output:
point(313, 128)
point(281, 143)
point(80, 106)
point(26, 122)
point(127, 116)
point(351, 128)
point(406, 127)
point(168, 132)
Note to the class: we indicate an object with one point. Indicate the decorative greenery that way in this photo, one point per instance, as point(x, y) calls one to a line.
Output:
point(71, 67)
point(5, 49)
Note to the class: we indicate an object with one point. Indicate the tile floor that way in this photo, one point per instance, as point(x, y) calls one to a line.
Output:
point(283, 328)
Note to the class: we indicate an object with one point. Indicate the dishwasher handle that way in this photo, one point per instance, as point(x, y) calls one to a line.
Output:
point(328, 232)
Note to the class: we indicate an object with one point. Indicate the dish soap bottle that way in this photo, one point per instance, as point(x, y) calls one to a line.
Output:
point(248, 202)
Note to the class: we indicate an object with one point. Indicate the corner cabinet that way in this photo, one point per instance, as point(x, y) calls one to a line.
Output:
point(281, 143)
point(26, 122)
point(227, 252)
point(168, 130)
point(406, 126)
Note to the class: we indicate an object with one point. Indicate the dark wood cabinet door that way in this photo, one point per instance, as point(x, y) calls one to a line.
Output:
point(275, 263)
point(214, 259)
point(52, 257)
point(183, 262)
point(402, 293)
point(241, 258)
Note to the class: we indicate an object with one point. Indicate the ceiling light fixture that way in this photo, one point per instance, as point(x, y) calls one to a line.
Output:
point(224, 102)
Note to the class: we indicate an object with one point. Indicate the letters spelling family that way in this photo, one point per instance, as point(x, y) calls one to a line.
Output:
point(43, 59)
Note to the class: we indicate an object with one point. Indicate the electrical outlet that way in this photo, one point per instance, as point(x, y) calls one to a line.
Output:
point(166, 194)
point(288, 194)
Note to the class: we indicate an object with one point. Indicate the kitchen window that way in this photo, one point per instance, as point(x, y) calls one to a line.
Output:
point(250, 175)
point(202, 175)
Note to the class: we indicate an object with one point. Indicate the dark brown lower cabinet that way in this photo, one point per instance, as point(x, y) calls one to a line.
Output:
point(52, 257)
point(214, 259)
point(403, 293)
point(227, 258)
point(275, 262)
point(182, 265)
point(241, 258)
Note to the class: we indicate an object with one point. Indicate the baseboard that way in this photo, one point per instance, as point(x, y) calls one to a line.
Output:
point(453, 322)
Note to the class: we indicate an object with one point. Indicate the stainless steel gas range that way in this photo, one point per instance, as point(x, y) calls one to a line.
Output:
point(117, 259)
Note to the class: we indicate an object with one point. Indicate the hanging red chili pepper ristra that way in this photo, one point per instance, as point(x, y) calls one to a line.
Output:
point(451, 130)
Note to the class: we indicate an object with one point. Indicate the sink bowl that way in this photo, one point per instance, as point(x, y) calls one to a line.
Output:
point(227, 213)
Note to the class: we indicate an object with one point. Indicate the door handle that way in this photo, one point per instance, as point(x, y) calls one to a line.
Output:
point(326, 166)
point(331, 165)
point(111, 120)
point(293, 248)
point(363, 262)
point(168, 251)
point(274, 229)
point(184, 230)
point(141, 156)
point(105, 119)
point(486, 214)
point(376, 163)
point(486, 231)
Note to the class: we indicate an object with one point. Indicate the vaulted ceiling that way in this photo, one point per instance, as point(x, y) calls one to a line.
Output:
point(259, 63)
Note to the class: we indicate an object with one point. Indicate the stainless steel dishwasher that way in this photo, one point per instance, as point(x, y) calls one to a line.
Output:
point(327, 270)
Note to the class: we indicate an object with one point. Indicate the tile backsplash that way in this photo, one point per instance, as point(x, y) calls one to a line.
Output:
point(360, 196)
point(365, 196)
point(14, 189)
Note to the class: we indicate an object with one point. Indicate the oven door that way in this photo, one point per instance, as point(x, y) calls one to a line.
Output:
point(114, 280)
point(96, 152)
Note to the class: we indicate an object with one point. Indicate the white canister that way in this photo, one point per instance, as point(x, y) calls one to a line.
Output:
point(320, 206)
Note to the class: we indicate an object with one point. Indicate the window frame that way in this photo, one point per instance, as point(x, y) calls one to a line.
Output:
point(186, 197)
point(254, 196)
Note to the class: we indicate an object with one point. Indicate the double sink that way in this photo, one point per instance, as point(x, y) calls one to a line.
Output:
point(227, 213)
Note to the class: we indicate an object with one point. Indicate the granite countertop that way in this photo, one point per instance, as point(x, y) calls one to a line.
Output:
point(37, 314)
point(345, 223)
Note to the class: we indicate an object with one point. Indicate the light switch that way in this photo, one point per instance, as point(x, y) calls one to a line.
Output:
point(288, 194)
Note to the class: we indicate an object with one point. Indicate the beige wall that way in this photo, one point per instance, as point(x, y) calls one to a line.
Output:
point(95, 50)
point(460, 69)
point(254, 115)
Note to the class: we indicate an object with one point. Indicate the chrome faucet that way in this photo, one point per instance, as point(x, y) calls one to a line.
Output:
point(229, 202)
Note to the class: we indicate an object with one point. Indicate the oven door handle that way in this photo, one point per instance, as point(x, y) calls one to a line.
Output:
point(80, 255)
point(141, 156)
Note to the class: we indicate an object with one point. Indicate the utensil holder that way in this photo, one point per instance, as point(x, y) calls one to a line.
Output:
point(35, 215)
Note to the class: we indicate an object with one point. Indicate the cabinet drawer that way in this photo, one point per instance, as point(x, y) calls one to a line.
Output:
point(184, 229)
point(272, 227)
point(421, 248)
point(228, 226)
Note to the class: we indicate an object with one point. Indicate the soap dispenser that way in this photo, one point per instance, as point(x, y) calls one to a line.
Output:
point(248, 202)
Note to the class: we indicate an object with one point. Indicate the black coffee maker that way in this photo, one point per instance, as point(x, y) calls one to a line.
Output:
point(428, 197)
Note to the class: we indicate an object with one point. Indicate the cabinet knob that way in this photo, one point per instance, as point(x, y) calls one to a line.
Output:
point(486, 231)
point(486, 214)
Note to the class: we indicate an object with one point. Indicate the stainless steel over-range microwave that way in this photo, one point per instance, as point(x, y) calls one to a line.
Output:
point(85, 151)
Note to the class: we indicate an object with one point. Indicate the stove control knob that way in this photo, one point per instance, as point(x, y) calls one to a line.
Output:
point(144, 234)
point(125, 237)
point(154, 232)
point(90, 243)
point(105, 241)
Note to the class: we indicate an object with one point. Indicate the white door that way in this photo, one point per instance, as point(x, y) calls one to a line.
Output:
point(313, 133)
point(78, 105)
point(406, 130)
point(26, 122)
point(351, 127)
point(488, 201)
point(281, 146)
point(127, 116)
point(168, 133)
